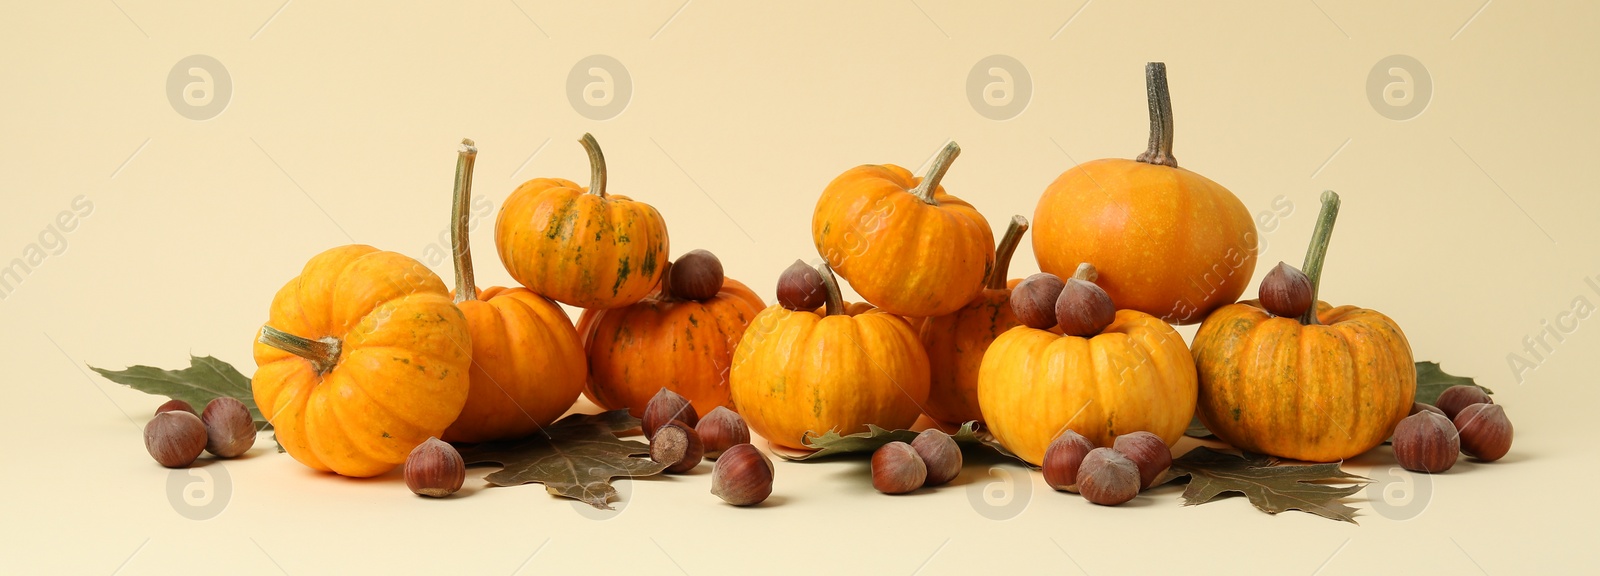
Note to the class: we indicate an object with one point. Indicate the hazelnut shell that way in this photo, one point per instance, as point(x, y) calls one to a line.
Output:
point(230, 431)
point(720, 430)
point(1285, 291)
point(1107, 477)
point(1456, 398)
point(800, 287)
point(1148, 452)
point(1062, 459)
point(695, 276)
point(897, 469)
point(665, 407)
point(742, 476)
point(1033, 300)
point(678, 446)
point(940, 456)
point(1485, 431)
point(1084, 309)
point(175, 438)
point(1426, 442)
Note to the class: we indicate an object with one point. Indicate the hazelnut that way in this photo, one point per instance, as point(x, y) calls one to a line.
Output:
point(1034, 300)
point(897, 469)
point(1485, 431)
point(1426, 442)
point(435, 469)
point(1421, 407)
point(1107, 477)
point(171, 405)
point(1148, 452)
point(695, 276)
point(720, 430)
point(1062, 459)
point(230, 430)
point(800, 287)
point(940, 455)
point(175, 438)
point(1084, 309)
point(665, 407)
point(678, 446)
point(1286, 291)
point(1456, 398)
point(742, 476)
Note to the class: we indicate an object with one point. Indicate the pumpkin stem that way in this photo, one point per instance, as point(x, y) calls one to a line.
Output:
point(1155, 87)
point(597, 165)
point(460, 218)
point(1086, 272)
point(323, 354)
point(1319, 251)
point(930, 181)
point(1004, 251)
point(835, 299)
point(664, 290)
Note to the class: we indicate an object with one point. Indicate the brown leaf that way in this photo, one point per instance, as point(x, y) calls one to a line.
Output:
point(574, 458)
point(834, 444)
point(1270, 486)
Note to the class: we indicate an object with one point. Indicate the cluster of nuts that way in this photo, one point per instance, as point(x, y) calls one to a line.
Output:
point(1106, 476)
point(1464, 420)
point(1078, 305)
point(680, 438)
point(177, 435)
point(931, 459)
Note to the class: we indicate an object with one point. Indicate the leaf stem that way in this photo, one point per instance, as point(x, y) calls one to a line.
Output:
point(323, 354)
point(930, 181)
point(1004, 251)
point(597, 165)
point(1155, 87)
point(1318, 251)
point(460, 220)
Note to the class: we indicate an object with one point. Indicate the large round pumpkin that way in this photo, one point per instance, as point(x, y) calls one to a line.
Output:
point(580, 246)
point(363, 357)
point(800, 372)
point(1167, 241)
point(903, 243)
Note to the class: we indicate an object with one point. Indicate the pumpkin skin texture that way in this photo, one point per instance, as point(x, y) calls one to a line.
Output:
point(1319, 393)
point(527, 366)
point(903, 243)
point(1136, 375)
point(401, 375)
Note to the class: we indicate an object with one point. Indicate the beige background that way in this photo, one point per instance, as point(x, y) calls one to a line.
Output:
point(1472, 224)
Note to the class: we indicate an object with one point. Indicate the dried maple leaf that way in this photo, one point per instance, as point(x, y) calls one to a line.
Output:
point(574, 458)
point(1271, 487)
point(834, 444)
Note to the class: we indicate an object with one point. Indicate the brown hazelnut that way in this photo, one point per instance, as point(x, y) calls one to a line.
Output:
point(230, 430)
point(720, 430)
point(1286, 291)
point(800, 287)
point(1107, 477)
point(1485, 431)
point(1426, 442)
point(665, 407)
point(435, 469)
point(1062, 459)
point(171, 405)
point(897, 469)
point(1084, 309)
point(678, 446)
point(1422, 407)
point(940, 455)
point(1034, 300)
point(742, 476)
point(175, 438)
point(695, 276)
point(1147, 451)
point(1456, 398)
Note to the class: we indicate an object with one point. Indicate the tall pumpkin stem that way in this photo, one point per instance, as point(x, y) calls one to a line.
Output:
point(460, 219)
point(597, 165)
point(1004, 251)
point(1155, 87)
point(930, 181)
point(664, 289)
point(323, 354)
point(1319, 251)
point(835, 299)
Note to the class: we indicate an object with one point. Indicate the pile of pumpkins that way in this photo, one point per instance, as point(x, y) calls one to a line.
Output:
point(367, 353)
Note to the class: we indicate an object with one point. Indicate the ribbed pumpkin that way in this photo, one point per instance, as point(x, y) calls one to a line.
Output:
point(800, 372)
point(903, 243)
point(1167, 241)
point(666, 341)
point(1323, 387)
point(363, 357)
point(527, 363)
point(580, 246)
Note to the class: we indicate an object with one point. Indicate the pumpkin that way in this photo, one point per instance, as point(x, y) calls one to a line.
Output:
point(1167, 241)
point(666, 341)
point(903, 243)
point(1323, 387)
point(580, 246)
point(527, 362)
point(362, 358)
point(1135, 375)
point(802, 372)
point(956, 342)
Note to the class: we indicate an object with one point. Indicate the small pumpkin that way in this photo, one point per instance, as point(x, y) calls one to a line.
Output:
point(903, 243)
point(362, 358)
point(1323, 387)
point(1134, 375)
point(803, 372)
point(1167, 241)
point(527, 362)
point(666, 341)
point(580, 246)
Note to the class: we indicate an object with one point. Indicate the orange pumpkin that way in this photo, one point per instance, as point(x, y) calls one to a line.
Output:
point(800, 372)
point(527, 363)
point(1167, 241)
point(363, 357)
point(903, 243)
point(1323, 387)
point(665, 341)
point(580, 246)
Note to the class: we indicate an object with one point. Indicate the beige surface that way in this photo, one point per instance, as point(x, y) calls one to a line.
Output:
point(1472, 224)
